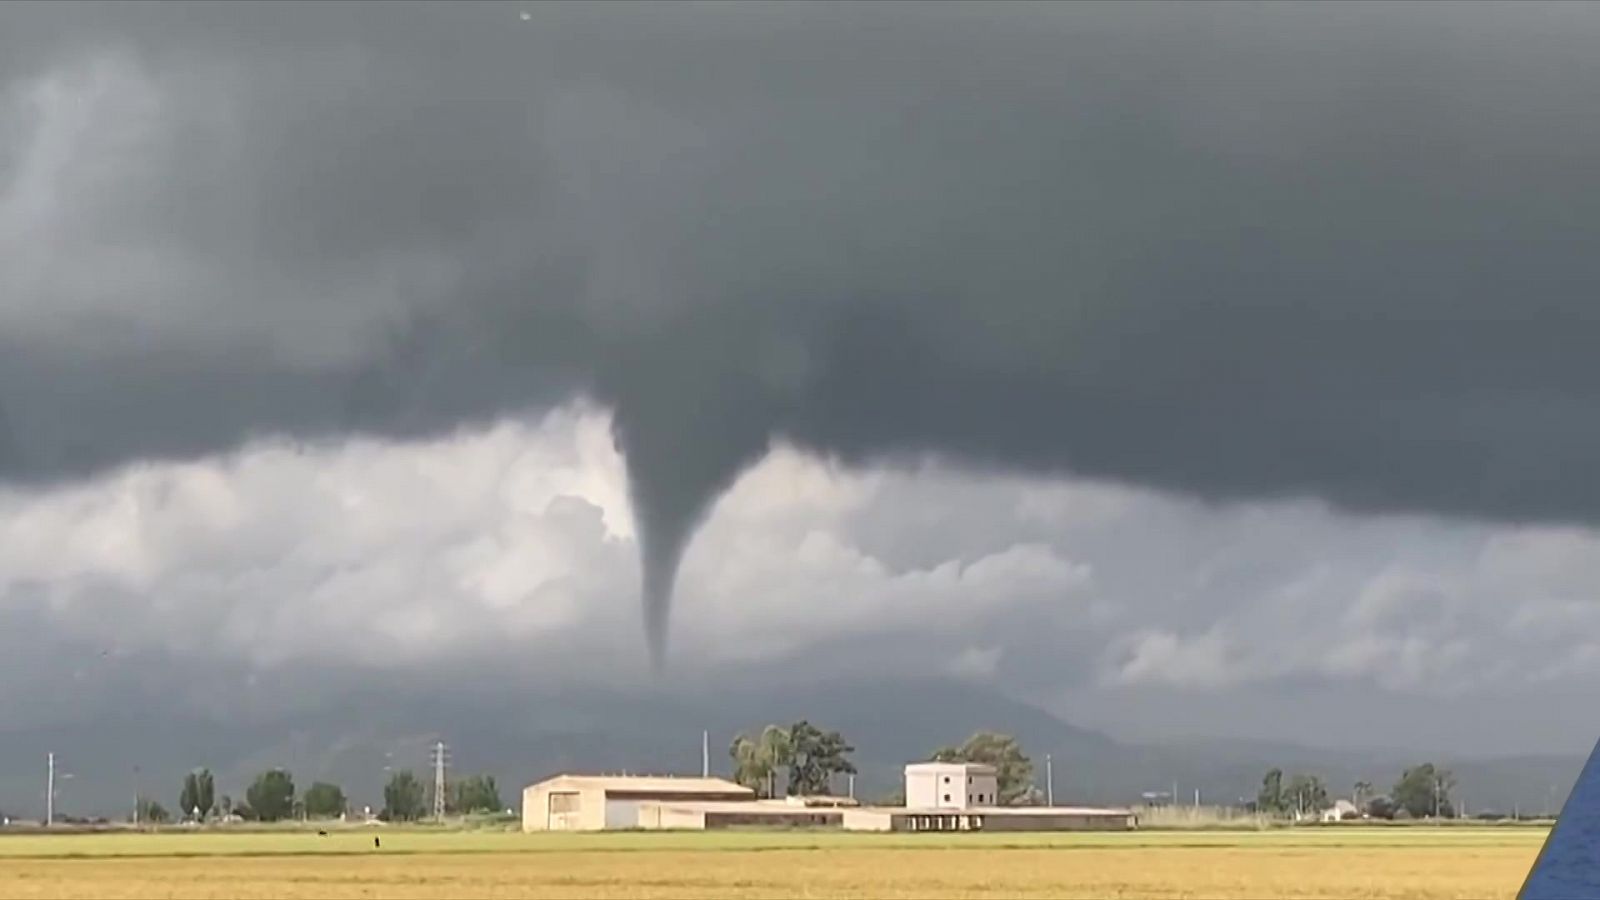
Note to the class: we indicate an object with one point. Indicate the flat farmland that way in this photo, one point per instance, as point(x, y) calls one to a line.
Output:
point(1414, 863)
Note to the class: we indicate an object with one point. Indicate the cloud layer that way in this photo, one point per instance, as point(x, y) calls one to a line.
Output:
point(503, 554)
point(1232, 251)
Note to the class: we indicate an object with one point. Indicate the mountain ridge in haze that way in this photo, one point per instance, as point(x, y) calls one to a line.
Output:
point(521, 738)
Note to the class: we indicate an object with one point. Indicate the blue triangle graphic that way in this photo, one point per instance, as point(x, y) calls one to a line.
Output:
point(1568, 867)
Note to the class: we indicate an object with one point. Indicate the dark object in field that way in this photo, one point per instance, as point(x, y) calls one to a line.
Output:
point(321, 833)
point(375, 842)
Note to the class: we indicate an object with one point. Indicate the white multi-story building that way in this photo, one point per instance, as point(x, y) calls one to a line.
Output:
point(938, 785)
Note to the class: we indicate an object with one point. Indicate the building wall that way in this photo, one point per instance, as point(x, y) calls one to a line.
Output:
point(563, 806)
point(868, 820)
point(983, 790)
point(977, 820)
point(949, 786)
point(800, 818)
point(1059, 822)
point(922, 788)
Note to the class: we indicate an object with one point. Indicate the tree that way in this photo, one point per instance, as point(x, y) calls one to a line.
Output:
point(271, 795)
point(402, 798)
point(151, 812)
point(1306, 794)
point(756, 761)
point(815, 756)
point(1363, 791)
point(225, 806)
point(1270, 799)
point(1380, 807)
point(476, 794)
point(1013, 770)
point(1424, 791)
point(196, 796)
point(324, 801)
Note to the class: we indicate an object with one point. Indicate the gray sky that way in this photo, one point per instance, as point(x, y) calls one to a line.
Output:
point(1167, 365)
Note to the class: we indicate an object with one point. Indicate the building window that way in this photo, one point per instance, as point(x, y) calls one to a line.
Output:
point(947, 798)
point(947, 779)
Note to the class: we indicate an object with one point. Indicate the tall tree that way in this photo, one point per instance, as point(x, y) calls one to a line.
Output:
point(324, 801)
point(747, 768)
point(476, 794)
point(196, 797)
point(1306, 794)
point(151, 812)
point(1270, 798)
point(1013, 769)
point(1362, 792)
point(403, 798)
point(271, 795)
point(815, 756)
point(756, 761)
point(1424, 791)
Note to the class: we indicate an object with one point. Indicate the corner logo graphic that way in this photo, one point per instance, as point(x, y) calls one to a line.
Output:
point(1568, 867)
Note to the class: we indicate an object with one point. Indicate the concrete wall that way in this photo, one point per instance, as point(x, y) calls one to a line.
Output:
point(1059, 822)
point(949, 786)
point(563, 806)
point(922, 788)
point(868, 820)
point(983, 790)
point(800, 818)
point(885, 819)
point(693, 817)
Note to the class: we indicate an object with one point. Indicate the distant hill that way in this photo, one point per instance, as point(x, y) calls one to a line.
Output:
point(521, 738)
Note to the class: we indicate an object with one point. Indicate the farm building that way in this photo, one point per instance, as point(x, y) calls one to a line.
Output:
point(790, 813)
point(598, 802)
point(955, 785)
point(940, 797)
point(994, 818)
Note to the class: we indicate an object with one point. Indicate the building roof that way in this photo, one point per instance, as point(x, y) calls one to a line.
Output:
point(1015, 811)
point(749, 807)
point(650, 784)
point(969, 767)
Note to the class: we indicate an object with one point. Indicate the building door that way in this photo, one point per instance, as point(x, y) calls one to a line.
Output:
point(565, 809)
point(622, 814)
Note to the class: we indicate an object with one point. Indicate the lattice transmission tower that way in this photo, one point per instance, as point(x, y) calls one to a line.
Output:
point(441, 764)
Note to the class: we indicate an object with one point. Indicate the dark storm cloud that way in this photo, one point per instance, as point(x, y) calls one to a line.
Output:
point(1344, 250)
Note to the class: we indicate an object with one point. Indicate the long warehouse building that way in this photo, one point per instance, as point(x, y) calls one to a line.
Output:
point(599, 802)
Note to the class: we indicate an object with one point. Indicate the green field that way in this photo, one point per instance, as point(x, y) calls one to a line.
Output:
point(1343, 862)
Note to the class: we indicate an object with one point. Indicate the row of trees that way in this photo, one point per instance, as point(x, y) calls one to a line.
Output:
point(808, 755)
point(809, 758)
point(1421, 792)
point(271, 798)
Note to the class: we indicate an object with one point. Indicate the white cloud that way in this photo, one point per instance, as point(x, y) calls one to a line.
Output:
point(1162, 657)
point(511, 547)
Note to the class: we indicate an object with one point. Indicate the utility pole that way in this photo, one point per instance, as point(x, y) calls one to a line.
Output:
point(440, 762)
point(852, 785)
point(1049, 781)
point(50, 792)
point(705, 754)
point(136, 797)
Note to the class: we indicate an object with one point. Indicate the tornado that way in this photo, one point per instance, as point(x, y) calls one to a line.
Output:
point(682, 451)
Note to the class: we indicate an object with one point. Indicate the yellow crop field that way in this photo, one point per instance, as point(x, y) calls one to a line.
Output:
point(1402, 863)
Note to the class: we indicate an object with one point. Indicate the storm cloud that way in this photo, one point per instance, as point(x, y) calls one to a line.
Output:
point(1231, 251)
